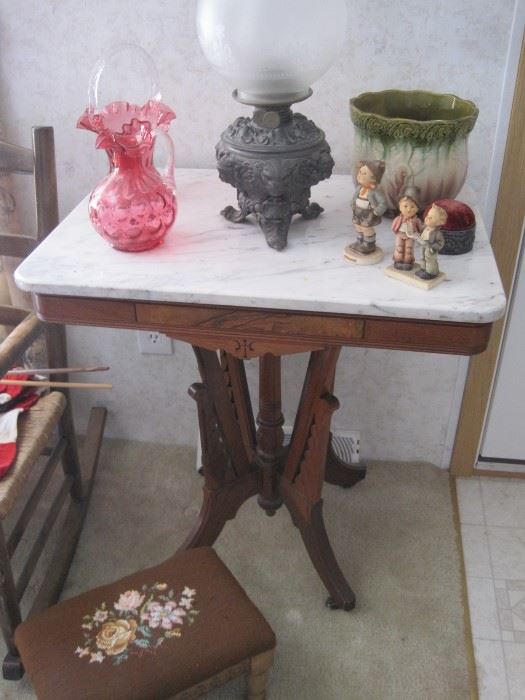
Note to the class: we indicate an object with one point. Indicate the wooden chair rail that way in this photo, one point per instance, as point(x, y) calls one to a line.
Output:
point(12, 315)
point(21, 524)
point(43, 536)
point(15, 159)
point(16, 246)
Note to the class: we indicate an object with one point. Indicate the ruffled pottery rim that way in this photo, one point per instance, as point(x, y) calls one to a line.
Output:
point(456, 119)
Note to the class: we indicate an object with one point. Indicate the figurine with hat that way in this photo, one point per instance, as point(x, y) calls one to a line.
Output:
point(368, 205)
point(406, 228)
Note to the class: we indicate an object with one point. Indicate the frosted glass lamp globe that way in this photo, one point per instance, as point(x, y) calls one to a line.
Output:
point(271, 51)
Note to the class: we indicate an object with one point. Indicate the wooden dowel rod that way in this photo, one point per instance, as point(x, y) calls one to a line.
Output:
point(40, 541)
point(57, 370)
point(62, 385)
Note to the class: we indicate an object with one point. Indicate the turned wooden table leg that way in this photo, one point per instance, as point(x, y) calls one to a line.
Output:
point(270, 434)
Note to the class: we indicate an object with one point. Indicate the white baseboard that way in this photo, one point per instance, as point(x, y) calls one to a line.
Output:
point(501, 467)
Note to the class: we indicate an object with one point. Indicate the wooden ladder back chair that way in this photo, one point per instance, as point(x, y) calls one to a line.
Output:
point(50, 419)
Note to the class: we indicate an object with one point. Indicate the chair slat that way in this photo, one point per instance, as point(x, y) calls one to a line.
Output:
point(15, 159)
point(56, 573)
point(45, 181)
point(15, 246)
point(12, 315)
point(41, 540)
point(32, 502)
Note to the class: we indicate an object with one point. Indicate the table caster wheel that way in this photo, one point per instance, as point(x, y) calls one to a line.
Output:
point(12, 669)
point(332, 605)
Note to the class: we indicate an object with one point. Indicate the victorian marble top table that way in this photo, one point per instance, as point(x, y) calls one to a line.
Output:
point(218, 286)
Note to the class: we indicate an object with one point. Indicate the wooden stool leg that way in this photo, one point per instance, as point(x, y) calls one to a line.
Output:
point(259, 668)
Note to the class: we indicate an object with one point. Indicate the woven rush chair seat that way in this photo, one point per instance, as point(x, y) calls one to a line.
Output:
point(35, 428)
point(174, 630)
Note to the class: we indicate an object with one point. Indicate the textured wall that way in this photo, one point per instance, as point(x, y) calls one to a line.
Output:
point(46, 50)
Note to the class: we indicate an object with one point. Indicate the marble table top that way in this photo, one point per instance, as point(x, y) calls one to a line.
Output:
point(207, 260)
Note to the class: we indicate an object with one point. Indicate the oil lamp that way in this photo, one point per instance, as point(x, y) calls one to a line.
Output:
point(271, 52)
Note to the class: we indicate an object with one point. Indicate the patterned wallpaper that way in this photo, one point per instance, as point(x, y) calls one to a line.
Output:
point(47, 48)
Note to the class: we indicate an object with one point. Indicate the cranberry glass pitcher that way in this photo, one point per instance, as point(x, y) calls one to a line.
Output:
point(134, 206)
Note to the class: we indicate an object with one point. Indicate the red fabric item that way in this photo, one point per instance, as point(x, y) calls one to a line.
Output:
point(7, 457)
point(14, 400)
point(9, 394)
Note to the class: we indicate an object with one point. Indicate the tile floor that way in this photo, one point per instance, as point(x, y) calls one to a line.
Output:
point(492, 513)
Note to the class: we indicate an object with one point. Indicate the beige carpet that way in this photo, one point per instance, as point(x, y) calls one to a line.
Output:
point(395, 538)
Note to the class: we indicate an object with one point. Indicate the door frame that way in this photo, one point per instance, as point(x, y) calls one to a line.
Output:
point(506, 241)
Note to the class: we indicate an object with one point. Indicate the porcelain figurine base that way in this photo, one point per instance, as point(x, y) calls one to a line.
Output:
point(358, 258)
point(410, 277)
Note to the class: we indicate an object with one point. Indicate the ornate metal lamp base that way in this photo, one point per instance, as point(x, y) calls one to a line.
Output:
point(273, 159)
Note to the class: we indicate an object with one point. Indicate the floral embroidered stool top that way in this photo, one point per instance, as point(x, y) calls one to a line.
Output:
point(151, 635)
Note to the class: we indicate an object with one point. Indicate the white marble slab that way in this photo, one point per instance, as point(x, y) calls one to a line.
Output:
point(207, 260)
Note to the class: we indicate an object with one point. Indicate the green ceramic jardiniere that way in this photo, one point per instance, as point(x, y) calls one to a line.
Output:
point(421, 136)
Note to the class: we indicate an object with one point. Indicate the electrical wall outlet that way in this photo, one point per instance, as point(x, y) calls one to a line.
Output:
point(154, 343)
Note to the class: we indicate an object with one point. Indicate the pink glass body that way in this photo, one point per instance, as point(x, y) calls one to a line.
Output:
point(133, 207)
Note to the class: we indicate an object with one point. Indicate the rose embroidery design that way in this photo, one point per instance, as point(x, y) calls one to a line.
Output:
point(137, 623)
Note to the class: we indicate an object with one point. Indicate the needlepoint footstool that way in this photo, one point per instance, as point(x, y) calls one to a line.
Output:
point(177, 629)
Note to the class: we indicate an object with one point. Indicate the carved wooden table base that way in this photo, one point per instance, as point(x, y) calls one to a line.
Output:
point(240, 461)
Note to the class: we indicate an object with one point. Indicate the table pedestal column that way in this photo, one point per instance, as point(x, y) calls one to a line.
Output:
point(270, 434)
point(239, 462)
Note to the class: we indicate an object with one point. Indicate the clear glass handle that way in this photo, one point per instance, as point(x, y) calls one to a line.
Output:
point(126, 73)
point(164, 157)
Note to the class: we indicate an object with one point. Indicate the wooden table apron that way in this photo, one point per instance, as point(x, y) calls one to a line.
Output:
point(243, 457)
